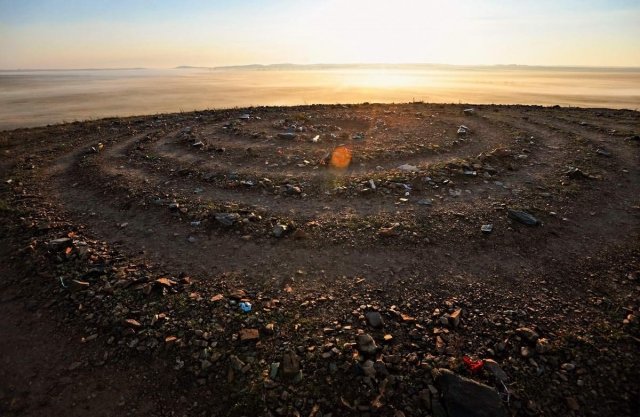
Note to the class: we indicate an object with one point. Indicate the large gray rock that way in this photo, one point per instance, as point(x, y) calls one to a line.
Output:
point(463, 397)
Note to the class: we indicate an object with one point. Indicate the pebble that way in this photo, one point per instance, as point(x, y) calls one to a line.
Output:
point(290, 365)
point(279, 230)
point(542, 345)
point(249, 334)
point(493, 367)
point(408, 168)
point(523, 217)
point(287, 135)
point(227, 219)
point(366, 344)
point(572, 403)
point(55, 243)
point(454, 318)
point(486, 228)
point(375, 319)
point(527, 334)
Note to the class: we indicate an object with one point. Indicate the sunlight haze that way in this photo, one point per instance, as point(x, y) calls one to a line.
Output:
point(165, 34)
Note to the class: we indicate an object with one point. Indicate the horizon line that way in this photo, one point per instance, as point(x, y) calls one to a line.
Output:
point(352, 64)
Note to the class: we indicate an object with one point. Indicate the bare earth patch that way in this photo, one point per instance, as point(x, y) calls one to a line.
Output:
point(214, 263)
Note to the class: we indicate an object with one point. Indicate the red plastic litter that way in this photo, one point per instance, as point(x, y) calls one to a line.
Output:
point(473, 366)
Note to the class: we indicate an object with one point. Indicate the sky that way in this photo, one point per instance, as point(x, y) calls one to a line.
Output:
point(43, 34)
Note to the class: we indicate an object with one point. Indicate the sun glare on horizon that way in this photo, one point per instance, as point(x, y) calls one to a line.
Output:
point(169, 33)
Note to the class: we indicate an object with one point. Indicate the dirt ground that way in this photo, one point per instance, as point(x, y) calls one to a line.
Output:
point(128, 246)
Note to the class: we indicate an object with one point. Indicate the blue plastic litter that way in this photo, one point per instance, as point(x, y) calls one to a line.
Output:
point(245, 307)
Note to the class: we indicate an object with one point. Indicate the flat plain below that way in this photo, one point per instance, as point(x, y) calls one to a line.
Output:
point(34, 98)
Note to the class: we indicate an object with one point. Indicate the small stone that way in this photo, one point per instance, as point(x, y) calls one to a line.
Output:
point(527, 334)
point(236, 363)
point(568, 367)
point(57, 243)
point(572, 403)
point(366, 344)
point(368, 369)
point(165, 282)
point(287, 135)
point(132, 323)
point(493, 367)
point(249, 334)
point(270, 328)
point(238, 294)
point(389, 231)
point(227, 219)
point(273, 372)
point(75, 365)
point(454, 318)
point(375, 319)
point(290, 365)
point(279, 230)
point(486, 228)
point(523, 217)
point(407, 318)
point(408, 168)
point(525, 351)
point(542, 345)
point(577, 173)
point(216, 298)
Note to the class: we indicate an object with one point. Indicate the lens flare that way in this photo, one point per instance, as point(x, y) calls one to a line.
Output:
point(340, 157)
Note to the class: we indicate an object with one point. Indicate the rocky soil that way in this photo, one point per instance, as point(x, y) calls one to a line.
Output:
point(469, 261)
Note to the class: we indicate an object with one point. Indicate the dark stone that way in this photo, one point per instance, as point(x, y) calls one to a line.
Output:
point(528, 334)
point(227, 219)
point(290, 365)
point(523, 217)
point(577, 173)
point(463, 397)
point(62, 242)
point(366, 344)
point(287, 135)
point(375, 319)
